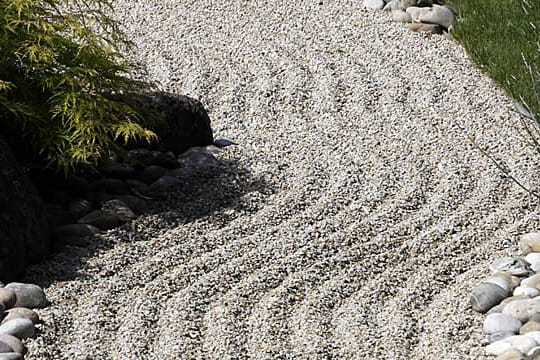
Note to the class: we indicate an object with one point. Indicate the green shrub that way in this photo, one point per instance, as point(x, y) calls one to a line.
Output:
point(61, 67)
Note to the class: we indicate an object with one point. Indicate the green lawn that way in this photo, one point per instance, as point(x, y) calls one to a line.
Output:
point(499, 35)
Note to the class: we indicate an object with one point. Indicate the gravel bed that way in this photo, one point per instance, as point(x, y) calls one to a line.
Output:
point(352, 221)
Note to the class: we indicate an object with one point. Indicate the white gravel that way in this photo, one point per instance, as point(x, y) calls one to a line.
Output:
point(352, 221)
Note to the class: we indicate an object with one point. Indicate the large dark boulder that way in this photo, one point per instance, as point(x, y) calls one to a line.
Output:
point(179, 121)
point(24, 229)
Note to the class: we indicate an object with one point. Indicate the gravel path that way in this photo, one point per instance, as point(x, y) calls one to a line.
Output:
point(352, 221)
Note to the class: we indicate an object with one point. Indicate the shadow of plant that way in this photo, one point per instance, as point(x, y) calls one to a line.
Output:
point(204, 194)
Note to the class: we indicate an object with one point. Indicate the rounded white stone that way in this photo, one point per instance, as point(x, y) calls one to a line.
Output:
point(501, 323)
point(498, 347)
point(533, 257)
point(526, 291)
point(522, 343)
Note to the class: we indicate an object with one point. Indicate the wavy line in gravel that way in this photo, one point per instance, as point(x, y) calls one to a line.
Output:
point(351, 222)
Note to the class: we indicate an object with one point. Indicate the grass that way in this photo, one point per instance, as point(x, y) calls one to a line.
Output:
point(503, 39)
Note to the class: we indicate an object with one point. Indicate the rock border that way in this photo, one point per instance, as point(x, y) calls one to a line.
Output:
point(426, 16)
point(510, 298)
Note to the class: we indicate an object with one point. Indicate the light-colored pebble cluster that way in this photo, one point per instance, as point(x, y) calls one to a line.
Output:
point(420, 15)
point(18, 320)
point(511, 299)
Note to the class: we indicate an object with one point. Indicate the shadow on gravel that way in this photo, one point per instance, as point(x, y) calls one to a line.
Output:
point(203, 195)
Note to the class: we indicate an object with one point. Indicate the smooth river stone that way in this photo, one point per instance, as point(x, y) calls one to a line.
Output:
point(404, 4)
point(498, 347)
point(415, 12)
point(529, 243)
point(13, 343)
point(526, 291)
point(441, 15)
point(21, 313)
point(529, 327)
point(104, 220)
point(510, 299)
point(491, 338)
point(503, 280)
point(29, 295)
point(532, 281)
point(119, 208)
point(401, 16)
point(21, 328)
point(485, 296)
point(535, 335)
point(535, 266)
point(534, 353)
point(511, 355)
point(7, 298)
point(11, 356)
point(522, 343)
point(391, 5)
point(522, 310)
point(5, 348)
point(374, 4)
point(501, 323)
point(511, 265)
point(533, 257)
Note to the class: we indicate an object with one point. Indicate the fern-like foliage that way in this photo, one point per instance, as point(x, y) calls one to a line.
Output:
point(61, 69)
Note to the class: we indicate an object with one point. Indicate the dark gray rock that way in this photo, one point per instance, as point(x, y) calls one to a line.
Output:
point(80, 207)
point(28, 295)
point(140, 157)
point(119, 208)
point(101, 219)
point(221, 143)
point(98, 197)
point(198, 158)
point(14, 343)
point(117, 170)
point(167, 160)
point(135, 203)
point(151, 173)
point(109, 185)
point(135, 184)
point(180, 122)
point(20, 328)
point(75, 230)
point(165, 184)
point(24, 225)
point(485, 296)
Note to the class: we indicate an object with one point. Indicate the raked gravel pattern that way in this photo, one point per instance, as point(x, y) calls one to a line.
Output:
point(352, 221)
